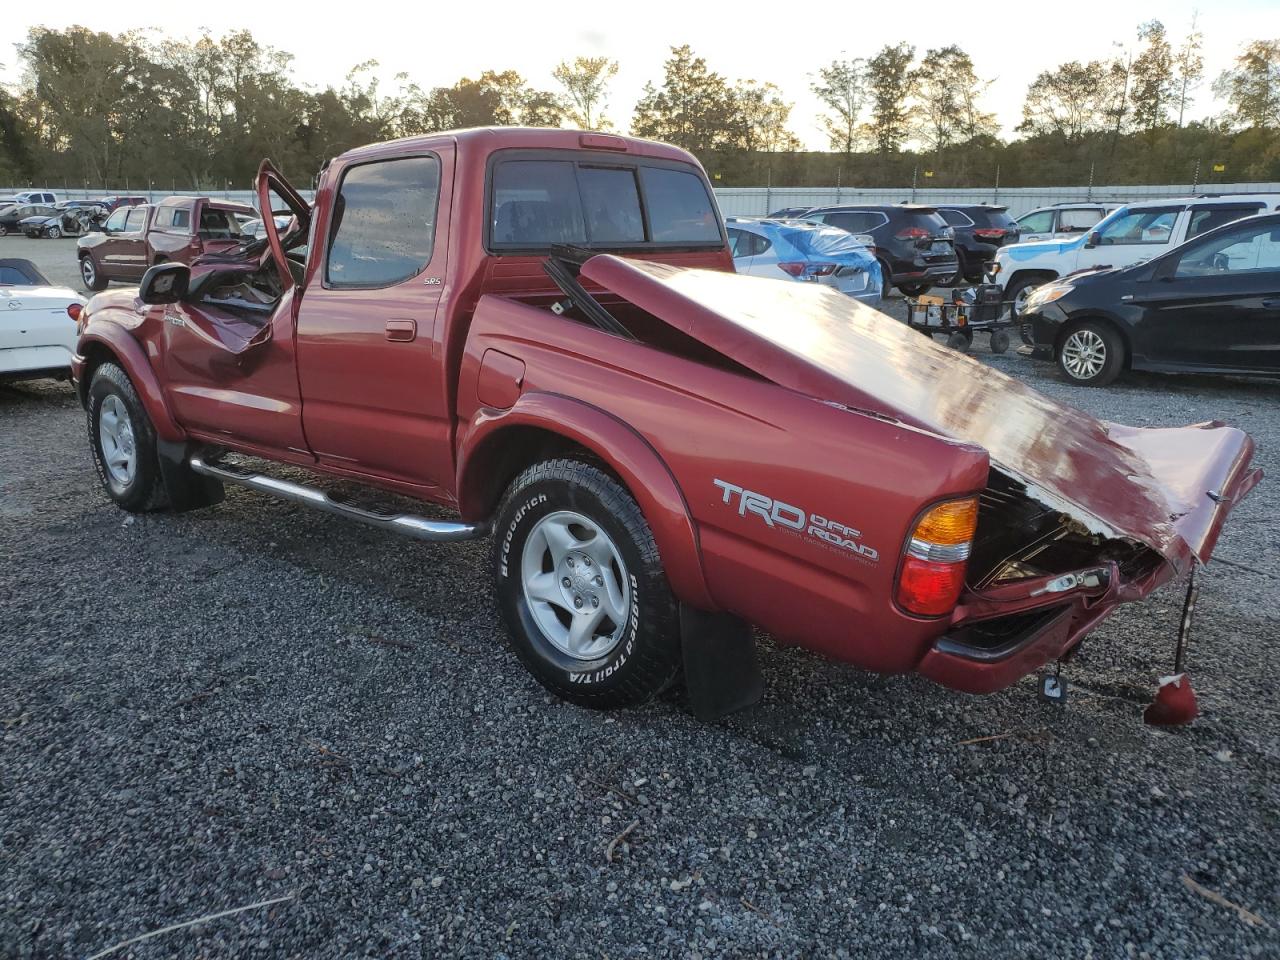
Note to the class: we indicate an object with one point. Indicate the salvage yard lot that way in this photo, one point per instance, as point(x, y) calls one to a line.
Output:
point(252, 702)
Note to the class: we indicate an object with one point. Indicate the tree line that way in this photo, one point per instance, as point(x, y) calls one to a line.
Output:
point(107, 109)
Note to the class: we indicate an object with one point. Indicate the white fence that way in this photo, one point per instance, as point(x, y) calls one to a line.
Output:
point(757, 201)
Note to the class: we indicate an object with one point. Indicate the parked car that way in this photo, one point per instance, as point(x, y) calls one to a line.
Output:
point(1130, 234)
point(789, 213)
point(803, 251)
point(542, 330)
point(71, 218)
point(980, 230)
point(12, 215)
point(113, 202)
point(37, 324)
point(915, 246)
point(32, 196)
point(1062, 220)
point(176, 229)
point(253, 228)
point(1212, 305)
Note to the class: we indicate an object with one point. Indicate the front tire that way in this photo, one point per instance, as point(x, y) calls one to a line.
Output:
point(582, 589)
point(123, 442)
point(90, 276)
point(53, 233)
point(1091, 354)
point(4, 231)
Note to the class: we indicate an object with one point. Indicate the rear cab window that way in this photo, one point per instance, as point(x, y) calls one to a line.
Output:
point(541, 198)
point(1204, 219)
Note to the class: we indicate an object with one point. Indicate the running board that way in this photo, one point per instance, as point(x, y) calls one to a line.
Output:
point(420, 528)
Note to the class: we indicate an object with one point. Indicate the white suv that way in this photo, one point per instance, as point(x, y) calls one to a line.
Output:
point(1130, 234)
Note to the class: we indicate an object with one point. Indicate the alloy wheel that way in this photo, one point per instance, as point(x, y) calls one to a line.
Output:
point(87, 272)
point(1084, 354)
point(119, 447)
point(576, 585)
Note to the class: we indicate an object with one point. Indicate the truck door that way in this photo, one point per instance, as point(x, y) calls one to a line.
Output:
point(124, 252)
point(370, 345)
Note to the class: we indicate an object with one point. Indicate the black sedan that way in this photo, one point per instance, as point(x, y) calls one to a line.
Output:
point(1211, 305)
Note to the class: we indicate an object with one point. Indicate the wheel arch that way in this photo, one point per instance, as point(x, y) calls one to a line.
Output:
point(1026, 272)
point(499, 444)
point(106, 342)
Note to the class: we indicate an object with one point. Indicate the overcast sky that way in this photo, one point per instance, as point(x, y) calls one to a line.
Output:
point(436, 43)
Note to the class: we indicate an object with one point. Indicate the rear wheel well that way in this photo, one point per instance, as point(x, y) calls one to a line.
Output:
point(506, 453)
point(1099, 319)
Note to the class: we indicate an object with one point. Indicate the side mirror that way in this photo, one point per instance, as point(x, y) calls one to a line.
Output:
point(1095, 239)
point(165, 283)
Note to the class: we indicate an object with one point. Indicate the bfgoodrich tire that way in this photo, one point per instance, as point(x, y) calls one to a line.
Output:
point(581, 587)
point(123, 442)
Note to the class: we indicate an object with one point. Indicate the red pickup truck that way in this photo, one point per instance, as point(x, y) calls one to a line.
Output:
point(137, 236)
point(542, 331)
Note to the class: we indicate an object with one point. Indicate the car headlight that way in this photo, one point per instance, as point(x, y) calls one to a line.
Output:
point(1047, 294)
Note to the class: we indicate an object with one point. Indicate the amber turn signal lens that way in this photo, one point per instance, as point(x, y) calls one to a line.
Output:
point(949, 524)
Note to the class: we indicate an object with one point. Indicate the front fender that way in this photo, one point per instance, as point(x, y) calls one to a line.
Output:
point(626, 452)
point(104, 335)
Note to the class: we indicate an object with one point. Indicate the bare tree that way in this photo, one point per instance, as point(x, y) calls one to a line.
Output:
point(840, 86)
point(585, 81)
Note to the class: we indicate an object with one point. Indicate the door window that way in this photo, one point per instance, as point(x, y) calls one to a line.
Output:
point(1139, 227)
point(744, 244)
point(384, 222)
point(1078, 220)
point(137, 221)
point(1208, 218)
point(1039, 222)
point(116, 220)
point(857, 221)
point(1247, 249)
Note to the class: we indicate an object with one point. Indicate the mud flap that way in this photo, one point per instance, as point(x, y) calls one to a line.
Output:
point(187, 489)
point(720, 668)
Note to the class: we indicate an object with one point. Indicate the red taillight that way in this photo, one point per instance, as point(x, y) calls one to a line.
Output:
point(912, 233)
point(993, 233)
point(792, 269)
point(930, 589)
point(932, 573)
point(73, 311)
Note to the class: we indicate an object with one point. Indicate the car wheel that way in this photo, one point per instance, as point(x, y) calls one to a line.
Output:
point(913, 289)
point(886, 288)
point(1091, 354)
point(89, 274)
point(123, 442)
point(53, 233)
point(581, 587)
point(4, 231)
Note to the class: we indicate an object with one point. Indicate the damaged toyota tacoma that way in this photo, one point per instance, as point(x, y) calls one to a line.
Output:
point(541, 332)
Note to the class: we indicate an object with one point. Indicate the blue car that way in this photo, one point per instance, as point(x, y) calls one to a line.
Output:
point(805, 252)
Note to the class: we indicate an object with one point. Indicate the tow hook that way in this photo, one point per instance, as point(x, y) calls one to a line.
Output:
point(1095, 577)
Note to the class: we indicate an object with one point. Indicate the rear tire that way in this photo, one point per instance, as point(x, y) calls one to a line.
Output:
point(581, 587)
point(1091, 354)
point(913, 289)
point(53, 233)
point(123, 442)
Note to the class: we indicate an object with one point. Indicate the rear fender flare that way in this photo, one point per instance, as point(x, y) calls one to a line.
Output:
point(121, 348)
point(619, 446)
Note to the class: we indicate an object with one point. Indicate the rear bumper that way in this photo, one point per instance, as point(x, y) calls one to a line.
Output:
point(962, 660)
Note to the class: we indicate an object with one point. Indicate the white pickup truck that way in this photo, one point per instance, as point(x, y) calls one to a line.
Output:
point(1131, 234)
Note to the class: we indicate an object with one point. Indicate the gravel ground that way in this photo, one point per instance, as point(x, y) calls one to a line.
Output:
point(252, 702)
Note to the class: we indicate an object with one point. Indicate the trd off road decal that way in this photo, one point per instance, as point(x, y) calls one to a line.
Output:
point(515, 522)
point(633, 625)
point(777, 514)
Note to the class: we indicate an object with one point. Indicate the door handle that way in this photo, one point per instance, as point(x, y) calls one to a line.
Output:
point(402, 330)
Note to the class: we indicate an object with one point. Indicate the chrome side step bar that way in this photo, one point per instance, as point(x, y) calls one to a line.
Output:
point(420, 528)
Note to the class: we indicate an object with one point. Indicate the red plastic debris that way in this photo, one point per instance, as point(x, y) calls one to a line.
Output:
point(1175, 703)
